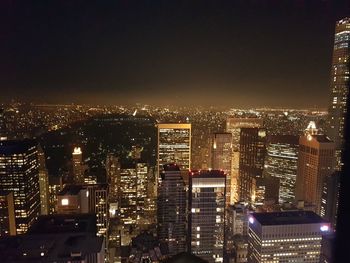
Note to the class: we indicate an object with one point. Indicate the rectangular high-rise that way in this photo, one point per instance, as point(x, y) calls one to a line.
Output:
point(19, 174)
point(43, 183)
point(222, 158)
point(234, 126)
point(330, 197)
point(174, 145)
point(77, 159)
point(281, 162)
point(172, 209)
point(286, 237)
point(251, 161)
point(207, 214)
point(339, 86)
point(316, 160)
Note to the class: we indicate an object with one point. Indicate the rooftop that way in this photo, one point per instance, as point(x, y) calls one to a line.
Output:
point(54, 238)
point(75, 223)
point(9, 147)
point(322, 138)
point(288, 218)
point(207, 173)
point(171, 167)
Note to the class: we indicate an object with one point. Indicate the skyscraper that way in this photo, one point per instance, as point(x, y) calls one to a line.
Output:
point(222, 158)
point(315, 162)
point(174, 145)
point(172, 209)
point(19, 174)
point(113, 176)
point(251, 161)
point(281, 162)
point(128, 195)
point(207, 215)
point(330, 196)
point(141, 189)
point(286, 237)
point(78, 173)
point(43, 183)
point(234, 126)
point(339, 86)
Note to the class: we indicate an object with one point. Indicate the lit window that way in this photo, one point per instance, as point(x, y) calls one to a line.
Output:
point(64, 201)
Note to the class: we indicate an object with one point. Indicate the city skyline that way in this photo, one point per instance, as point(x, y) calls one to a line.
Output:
point(165, 132)
point(241, 53)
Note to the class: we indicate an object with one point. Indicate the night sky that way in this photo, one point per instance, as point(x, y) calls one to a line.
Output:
point(233, 53)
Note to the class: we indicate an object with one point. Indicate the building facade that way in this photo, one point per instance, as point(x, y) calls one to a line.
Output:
point(222, 158)
point(19, 174)
point(251, 161)
point(339, 86)
point(281, 162)
point(174, 145)
point(43, 183)
point(171, 209)
point(316, 160)
point(234, 126)
point(286, 237)
point(207, 215)
point(78, 171)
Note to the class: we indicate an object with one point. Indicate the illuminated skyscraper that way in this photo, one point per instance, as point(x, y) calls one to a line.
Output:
point(141, 188)
point(207, 215)
point(281, 161)
point(78, 173)
point(7, 214)
point(251, 161)
point(222, 158)
point(174, 145)
point(315, 161)
point(113, 176)
point(128, 195)
point(43, 183)
point(339, 86)
point(286, 237)
point(19, 174)
point(172, 209)
point(234, 125)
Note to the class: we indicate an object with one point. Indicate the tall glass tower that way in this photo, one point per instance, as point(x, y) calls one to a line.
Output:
point(339, 86)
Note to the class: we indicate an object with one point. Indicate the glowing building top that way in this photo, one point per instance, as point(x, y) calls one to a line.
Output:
point(311, 129)
point(77, 150)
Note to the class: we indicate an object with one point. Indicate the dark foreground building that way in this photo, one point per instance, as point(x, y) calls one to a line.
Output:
point(57, 238)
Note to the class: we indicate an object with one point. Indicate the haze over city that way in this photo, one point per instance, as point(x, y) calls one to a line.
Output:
point(232, 53)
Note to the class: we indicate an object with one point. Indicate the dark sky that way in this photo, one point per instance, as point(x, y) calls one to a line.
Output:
point(235, 53)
